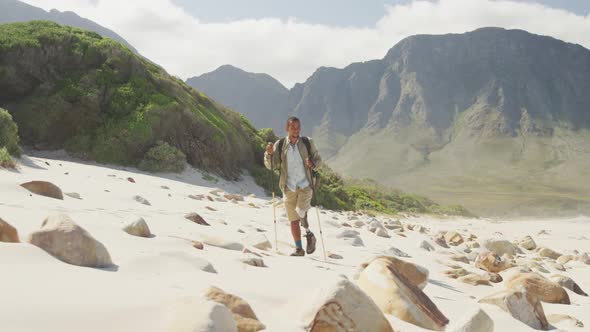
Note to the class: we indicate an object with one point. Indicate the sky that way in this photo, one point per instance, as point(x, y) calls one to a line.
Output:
point(290, 39)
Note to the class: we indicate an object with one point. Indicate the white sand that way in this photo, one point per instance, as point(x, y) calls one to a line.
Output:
point(41, 293)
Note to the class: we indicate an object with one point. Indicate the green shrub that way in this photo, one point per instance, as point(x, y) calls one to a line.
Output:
point(163, 158)
point(8, 133)
point(5, 160)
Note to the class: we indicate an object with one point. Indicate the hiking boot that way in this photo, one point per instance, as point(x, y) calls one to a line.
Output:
point(310, 239)
point(298, 252)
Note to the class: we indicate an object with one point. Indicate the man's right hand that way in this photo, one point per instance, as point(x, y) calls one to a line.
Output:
point(269, 148)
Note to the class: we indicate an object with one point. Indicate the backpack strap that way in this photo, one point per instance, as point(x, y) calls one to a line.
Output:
point(281, 143)
point(305, 140)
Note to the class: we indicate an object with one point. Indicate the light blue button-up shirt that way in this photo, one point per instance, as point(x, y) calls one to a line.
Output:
point(295, 169)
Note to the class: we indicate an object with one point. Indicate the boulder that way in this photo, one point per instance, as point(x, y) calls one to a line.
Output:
point(386, 283)
point(7, 232)
point(528, 243)
point(491, 262)
point(138, 228)
point(244, 316)
point(416, 274)
point(521, 305)
point(43, 188)
point(584, 258)
point(494, 277)
point(549, 253)
point(453, 238)
point(563, 259)
point(476, 320)
point(500, 246)
point(546, 290)
point(192, 314)
point(351, 236)
point(70, 243)
point(343, 307)
point(568, 283)
point(382, 232)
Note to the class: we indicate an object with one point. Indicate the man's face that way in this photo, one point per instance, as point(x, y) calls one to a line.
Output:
point(293, 128)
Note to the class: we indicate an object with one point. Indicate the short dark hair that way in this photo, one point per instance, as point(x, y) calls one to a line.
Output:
point(293, 119)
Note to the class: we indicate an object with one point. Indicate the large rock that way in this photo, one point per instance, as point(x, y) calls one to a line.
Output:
point(386, 283)
point(44, 188)
point(453, 238)
point(474, 321)
point(549, 253)
point(244, 316)
point(416, 274)
point(194, 314)
point(546, 290)
point(7, 232)
point(568, 283)
point(138, 228)
point(68, 242)
point(491, 262)
point(344, 307)
point(563, 259)
point(521, 305)
point(500, 246)
point(528, 243)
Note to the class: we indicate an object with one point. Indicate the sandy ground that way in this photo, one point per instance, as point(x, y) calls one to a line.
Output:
point(41, 293)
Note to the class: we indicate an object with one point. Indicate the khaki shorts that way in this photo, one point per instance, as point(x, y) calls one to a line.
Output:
point(297, 203)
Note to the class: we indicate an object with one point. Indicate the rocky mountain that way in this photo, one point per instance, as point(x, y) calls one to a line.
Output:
point(497, 120)
point(17, 11)
point(259, 97)
point(74, 89)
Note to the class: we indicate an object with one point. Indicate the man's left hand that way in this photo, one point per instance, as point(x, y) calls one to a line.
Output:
point(309, 164)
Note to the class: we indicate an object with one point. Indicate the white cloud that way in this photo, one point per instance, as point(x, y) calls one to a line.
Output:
point(290, 50)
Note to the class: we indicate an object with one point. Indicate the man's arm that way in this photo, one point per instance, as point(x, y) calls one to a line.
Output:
point(273, 158)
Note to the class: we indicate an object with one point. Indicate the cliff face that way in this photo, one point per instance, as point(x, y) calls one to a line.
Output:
point(495, 119)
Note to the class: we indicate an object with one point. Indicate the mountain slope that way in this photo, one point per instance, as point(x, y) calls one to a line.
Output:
point(259, 97)
point(70, 88)
point(494, 119)
point(12, 11)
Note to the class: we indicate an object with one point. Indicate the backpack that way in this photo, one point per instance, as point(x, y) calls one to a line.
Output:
point(314, 174)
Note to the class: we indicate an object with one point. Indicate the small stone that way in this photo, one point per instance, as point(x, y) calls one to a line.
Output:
point(198, 245)
point(141, 200)
point(196, 218)
point(130, 179)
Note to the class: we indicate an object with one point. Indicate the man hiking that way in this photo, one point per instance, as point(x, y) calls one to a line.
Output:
point(296, 158)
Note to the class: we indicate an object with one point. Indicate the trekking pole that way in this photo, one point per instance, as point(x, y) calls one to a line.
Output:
point(274, 209)
point(317, 209)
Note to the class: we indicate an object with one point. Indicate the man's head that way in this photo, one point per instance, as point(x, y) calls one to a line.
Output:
point(293, 127)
